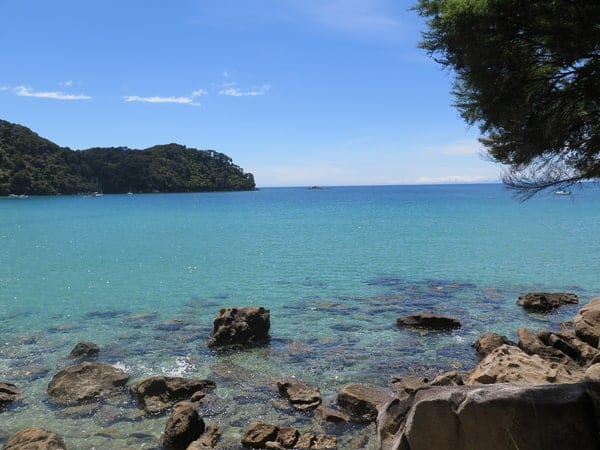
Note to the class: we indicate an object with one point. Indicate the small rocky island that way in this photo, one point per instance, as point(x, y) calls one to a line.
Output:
point(32, 165)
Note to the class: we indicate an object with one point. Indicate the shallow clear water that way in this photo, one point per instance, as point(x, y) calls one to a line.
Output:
point(143, 276)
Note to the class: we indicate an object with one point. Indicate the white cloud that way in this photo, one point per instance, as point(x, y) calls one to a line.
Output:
point(189, 100)
point(454, 179)
point(24, 91)
point(464, 147)
point(231, 90)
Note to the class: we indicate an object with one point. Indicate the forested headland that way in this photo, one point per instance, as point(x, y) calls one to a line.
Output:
point(32, 165)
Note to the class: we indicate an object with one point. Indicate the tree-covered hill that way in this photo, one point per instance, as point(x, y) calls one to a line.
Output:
point(32, 165)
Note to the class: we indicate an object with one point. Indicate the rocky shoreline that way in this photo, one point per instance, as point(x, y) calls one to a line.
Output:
point(540, 392)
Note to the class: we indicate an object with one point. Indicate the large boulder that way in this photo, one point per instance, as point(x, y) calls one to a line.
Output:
point(300, 395)
point(8, 394)
point(428, 321)
point(34, 438)
point(240, 326)
point(499, 417)
point(509, 364)
point(183, 427)
point(572, 346)
point(587, 323)
point(155, 394)
point(544, 301)
point(530, 343)
point(85, 382)
point(362, 402)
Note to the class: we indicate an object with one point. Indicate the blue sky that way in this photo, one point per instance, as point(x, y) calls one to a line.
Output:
point(298, 92)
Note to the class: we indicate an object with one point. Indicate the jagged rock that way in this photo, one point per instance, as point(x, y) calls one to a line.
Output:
point(429, 321)
point(84, 350)
point(361, 402)
point(300, 395)
point(509, 364)
point(183, 427)
point(207, 440)
point(258, 434)
point(155, 394)
point(85, 382)
point(488, 342)
point(406, 385)
point(323, 441)
point(240, 326)
point(531, 344)
point(8, 394)
point(500, 417)
point(544, 301)
point(572, 346)
point(587, 323)
point(34, 438)
point(287, 437)
point(451, 378)
point(330, 415)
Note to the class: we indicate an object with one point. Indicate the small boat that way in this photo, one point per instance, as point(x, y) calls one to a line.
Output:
point(562, 192)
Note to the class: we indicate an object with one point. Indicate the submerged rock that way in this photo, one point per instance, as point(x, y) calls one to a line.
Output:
point(266, 435)
point(85, 382)
point(8, 394)
point(429, 321)
point(155, 394)
point(84, 350)
point(34, 438)
point(543, 301)
point(240, 326)
point(500, 417)
point(300, 395)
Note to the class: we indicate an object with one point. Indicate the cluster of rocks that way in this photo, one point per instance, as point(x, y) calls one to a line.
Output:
point(542, 391)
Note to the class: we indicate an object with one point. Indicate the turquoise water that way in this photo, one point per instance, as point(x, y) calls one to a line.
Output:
point(143, 276)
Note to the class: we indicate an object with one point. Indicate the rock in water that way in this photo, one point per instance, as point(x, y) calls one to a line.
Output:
point(86, 382)
point(429, 321)
point(543, 301)
point(8, 394)
point(300, 395)
point(488, 342)
point(155, 394)
point(500, 417)
point(183, 427)
point(361, 402)
point(240, 326)
point(84, 350)
point(34, 439)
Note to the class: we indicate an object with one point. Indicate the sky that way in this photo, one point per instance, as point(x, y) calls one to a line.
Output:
point(297, 92)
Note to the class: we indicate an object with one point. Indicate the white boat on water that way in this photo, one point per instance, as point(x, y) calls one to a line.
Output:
point(562, 192)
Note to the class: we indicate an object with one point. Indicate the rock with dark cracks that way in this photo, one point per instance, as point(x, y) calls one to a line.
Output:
point(299, 394)
point(8, 394)
point(240, 327)
point(155, 394)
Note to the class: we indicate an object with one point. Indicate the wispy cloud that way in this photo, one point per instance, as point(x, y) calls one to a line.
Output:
point(464, 147)
point(67, 83)
point(231, 90)
point(24, 91)
point(184, 100)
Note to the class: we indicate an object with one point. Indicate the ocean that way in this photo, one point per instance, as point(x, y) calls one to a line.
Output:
point(143, 276)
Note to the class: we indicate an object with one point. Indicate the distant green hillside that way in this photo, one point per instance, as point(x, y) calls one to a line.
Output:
point(32, 165)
